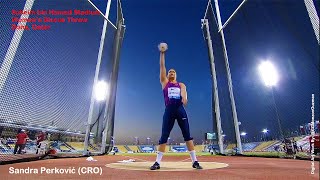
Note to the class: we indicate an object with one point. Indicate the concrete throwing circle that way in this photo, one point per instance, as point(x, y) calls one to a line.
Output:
point(165, 166)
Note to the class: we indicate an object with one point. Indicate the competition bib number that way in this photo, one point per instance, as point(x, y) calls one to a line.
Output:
point(174, 92)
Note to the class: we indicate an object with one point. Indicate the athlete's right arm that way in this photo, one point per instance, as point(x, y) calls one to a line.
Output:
point(163, 71)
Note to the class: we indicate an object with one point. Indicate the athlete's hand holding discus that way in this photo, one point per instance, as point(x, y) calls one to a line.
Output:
point(164, 79)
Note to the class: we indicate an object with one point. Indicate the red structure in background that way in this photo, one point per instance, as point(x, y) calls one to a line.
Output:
point(316, 143)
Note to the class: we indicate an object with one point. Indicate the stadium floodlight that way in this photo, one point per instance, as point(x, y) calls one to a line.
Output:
point(270, 77)
point(265, 131)
point(243, 134)
point(101, 90)
point(268, 73)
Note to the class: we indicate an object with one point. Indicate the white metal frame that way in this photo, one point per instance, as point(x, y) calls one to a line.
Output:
point(14, 44)
point(229, 19)
point(205, 24)
point(106, 16)
point(233, 105)
point(92, 101)
point(314, 18)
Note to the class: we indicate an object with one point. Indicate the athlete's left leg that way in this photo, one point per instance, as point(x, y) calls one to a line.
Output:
point(184, 126)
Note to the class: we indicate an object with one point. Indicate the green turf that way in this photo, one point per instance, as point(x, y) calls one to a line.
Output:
point(255, 154)
point(264, 154)
point(274, 154)
point(166, 154)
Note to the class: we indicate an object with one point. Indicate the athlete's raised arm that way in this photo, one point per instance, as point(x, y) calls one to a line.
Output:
point(163, 71)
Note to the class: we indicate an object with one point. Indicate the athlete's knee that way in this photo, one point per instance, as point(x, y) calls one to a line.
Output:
point(187, 138)
point(164, 139)
point(186, 135)
point(186, 131)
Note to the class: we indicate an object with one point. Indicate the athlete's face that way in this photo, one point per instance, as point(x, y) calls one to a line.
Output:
point(172, 74)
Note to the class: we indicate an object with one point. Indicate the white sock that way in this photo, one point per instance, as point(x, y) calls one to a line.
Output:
point(193, 156)
point(159, 157)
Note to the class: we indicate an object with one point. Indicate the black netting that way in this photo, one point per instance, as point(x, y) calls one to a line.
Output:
point(49, 83)
point(281, 32)
point(227, 125)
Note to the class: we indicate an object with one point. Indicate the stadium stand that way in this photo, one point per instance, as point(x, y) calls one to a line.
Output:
point(4, 149)
point(199, 148)
point(263, 145)
point(128, 149)
point(69, 146)
point(304, 143)
point(274, 146)
point(225, 146)
point(78, 146)
point(271, 144)
point(298, 138)
point(134, 148)
point(122, 148)
point(230, 146)
point(250, 146)
point(64, 148)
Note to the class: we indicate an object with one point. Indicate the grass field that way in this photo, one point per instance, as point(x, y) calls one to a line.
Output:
point(166, 154)
point(262, 154)
point(274, 154)
point(254, 154)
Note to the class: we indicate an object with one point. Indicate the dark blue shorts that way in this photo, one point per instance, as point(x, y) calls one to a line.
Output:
point(171, 114)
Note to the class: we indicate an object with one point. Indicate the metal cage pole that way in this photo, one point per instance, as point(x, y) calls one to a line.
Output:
point(96, 76)
point(233, 105)
point(14, 44)
point(205, 24)
point(107, 134)
point(314, 18)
